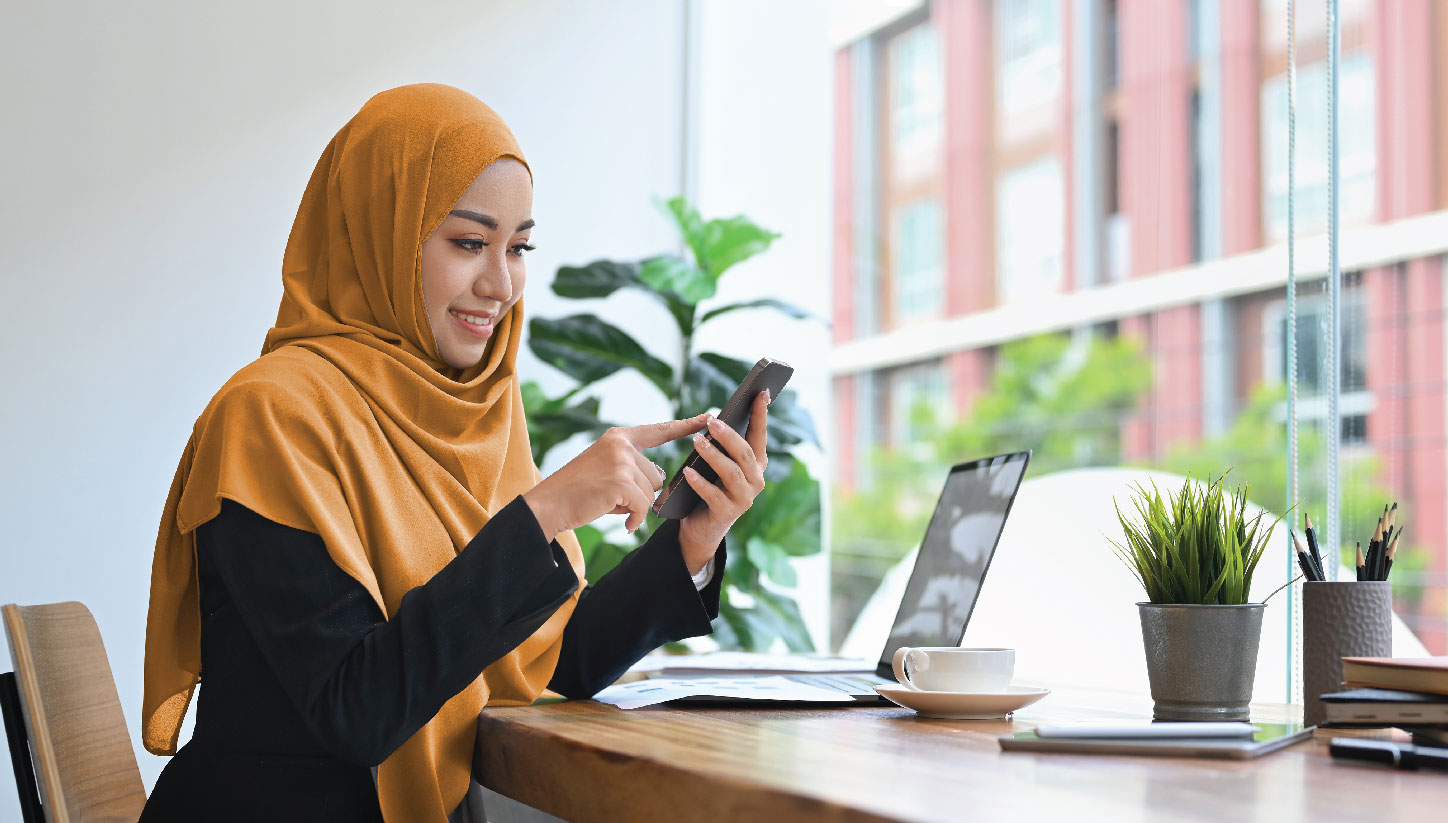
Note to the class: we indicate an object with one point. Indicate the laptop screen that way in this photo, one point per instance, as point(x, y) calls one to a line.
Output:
point(954, 556)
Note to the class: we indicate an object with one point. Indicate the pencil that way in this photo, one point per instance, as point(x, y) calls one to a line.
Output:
point(1312, 544)
point(1360, 560)
point(1303, 559)
point(1392, 552)
point(1306, 566)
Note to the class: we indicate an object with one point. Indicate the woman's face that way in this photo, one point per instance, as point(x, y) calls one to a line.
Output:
point(473, 263)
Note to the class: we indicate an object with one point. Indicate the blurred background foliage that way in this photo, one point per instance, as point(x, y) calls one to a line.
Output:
point(785, 520)
point(1065, 398)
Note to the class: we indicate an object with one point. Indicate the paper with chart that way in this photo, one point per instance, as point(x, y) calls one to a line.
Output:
point(660, 690)
point(751, 663)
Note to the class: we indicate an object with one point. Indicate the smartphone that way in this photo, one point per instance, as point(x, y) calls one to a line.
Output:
point(677, 498)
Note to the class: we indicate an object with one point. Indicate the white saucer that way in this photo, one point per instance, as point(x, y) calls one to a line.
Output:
point(963, 705)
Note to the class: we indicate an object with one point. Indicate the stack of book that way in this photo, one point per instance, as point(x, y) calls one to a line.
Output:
point(1409, 693)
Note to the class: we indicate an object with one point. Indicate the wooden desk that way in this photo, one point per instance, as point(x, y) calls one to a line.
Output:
point(586, 761)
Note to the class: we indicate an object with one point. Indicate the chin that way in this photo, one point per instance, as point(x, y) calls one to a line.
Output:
point(465, 362)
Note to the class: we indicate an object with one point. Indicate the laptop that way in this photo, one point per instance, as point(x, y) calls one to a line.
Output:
point(949, 569)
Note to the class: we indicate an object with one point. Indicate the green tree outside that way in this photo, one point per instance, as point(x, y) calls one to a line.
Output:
point(1065, 399)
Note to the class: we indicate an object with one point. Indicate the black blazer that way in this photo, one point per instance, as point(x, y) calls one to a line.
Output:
point(305, 687)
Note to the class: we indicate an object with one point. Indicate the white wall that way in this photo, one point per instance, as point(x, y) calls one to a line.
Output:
point(154, 157)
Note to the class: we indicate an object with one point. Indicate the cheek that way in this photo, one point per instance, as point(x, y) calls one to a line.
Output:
point(430, 275)
point(518, 272)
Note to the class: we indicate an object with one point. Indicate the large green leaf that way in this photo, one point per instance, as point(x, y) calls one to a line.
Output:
point(717, 244)
point(588, 349)
point(781, 613)
point(690, 224)
point(548, 430)
point(763, 303)
point(669, 274)
point(599, 555)
point(597, 279)
point(772, 559)
point(731, 240)
point(709, 380)
point(789, 423)
point(786, 514)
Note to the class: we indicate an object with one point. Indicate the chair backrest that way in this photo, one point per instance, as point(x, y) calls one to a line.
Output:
point(78, 734)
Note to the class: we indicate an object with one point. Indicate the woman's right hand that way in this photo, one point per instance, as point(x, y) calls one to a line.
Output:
point(612, 476)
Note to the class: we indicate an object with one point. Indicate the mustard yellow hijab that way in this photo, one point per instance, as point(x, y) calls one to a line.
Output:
point(350, 425)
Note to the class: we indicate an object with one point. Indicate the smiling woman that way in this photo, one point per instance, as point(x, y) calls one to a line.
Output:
point(472, 269)
point(357, 554)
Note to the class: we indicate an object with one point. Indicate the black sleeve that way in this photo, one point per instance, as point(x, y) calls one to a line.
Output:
point(645, 601)
point(363, 683)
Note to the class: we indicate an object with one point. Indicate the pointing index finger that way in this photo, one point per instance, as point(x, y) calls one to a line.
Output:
point(650, 435)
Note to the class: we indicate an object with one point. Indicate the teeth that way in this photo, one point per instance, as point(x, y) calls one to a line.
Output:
point(469, 318)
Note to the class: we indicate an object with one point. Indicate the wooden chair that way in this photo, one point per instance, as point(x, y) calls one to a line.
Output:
point(73, 725)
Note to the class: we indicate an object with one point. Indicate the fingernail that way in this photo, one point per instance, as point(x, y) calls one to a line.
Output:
point(689, 472)
point(714, 423)
point(700, 440)
point(767, 396)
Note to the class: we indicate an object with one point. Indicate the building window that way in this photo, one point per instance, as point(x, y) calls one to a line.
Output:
point(917, 243)
point(1030, 230)
point(1357, 147)
point(1028, 53)
point(1354, 400)
point(917, 93)
point(917, 393)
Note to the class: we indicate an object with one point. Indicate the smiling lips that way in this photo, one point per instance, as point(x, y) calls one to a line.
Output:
point(480, 325)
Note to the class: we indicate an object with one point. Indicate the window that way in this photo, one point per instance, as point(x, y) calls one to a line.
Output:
point(1029, 53)
point(913, 390)
point(1030, 230)
point(917, 93)
point(917, 242)
point(1355, 402)
point(1357, 147)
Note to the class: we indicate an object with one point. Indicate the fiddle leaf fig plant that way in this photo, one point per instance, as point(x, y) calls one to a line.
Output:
point(784, 521)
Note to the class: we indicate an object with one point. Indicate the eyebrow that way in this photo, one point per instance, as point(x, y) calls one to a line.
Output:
point(488, 221)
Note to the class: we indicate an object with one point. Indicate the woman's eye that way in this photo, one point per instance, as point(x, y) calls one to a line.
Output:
point(471, 245)
point(520, 248)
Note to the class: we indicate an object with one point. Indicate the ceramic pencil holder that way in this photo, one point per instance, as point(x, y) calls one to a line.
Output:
point(1347, 618)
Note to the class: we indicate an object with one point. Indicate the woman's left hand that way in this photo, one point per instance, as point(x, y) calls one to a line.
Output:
point(741, 476)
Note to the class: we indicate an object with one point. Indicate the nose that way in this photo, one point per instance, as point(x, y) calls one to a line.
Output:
point(494, 281)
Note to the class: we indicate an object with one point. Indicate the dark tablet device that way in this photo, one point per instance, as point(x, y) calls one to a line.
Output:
point(678, 498)
point(1269, 737)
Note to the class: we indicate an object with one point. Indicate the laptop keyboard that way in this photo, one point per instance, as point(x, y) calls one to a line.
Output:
point(848, 683)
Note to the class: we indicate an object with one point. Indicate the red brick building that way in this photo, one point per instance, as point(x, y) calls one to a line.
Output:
point(1004, 169)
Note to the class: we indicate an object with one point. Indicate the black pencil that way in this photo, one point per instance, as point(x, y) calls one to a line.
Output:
point(1306, 566)
point(1392, 552)
point(1312, 544)
point(1308, 570)
point(1360, 561)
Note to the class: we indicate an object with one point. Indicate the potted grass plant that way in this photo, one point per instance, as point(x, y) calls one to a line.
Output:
point(1195, 552)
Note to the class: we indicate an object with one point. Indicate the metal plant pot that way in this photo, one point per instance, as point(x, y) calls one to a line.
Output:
point(1201, 660)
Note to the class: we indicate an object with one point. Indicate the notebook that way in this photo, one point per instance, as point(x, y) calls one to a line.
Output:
point(1269, 737)
point(1416, 674)
point(1385, 707)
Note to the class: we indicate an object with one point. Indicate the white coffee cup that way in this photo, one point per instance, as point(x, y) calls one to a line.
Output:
point(953, 669)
